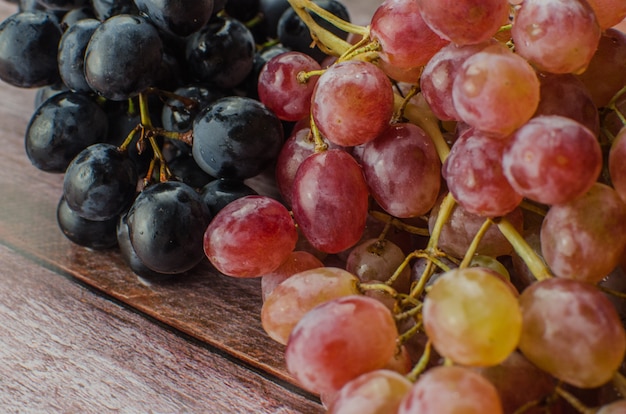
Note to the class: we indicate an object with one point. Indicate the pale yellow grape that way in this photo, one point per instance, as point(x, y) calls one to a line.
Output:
point(472, 317)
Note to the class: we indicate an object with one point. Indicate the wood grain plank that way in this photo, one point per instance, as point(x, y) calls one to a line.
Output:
point(64, 349)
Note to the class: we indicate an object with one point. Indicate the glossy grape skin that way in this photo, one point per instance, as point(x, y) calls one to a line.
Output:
point(472, 317)
point(175, 17)
point(451, 389)
point(176, 116)
point(28, 49)
point(298, 261)
point(166, 224)
point(122, 57)
point(71, 55)
point(585, 238)
point(557, 36)
point(603, 76)
point(104, 9)
point(572, 331)
point(250, 237)
point(402, 170)
point(405, 39)
point(221, 53)
point(474, 174)
point(552, 159)
point(496, 90)
point(61, 127)
point(376, 392)
point(97, 235)
point(219, 193)
point(293, 152)
point(236, 137)
point(294, 34)
point(290, 300)
point(438, 77)
point(100, 182)
point(567, 95)
point(130, 256)
point(339, 340)
point(481, 19)
point(281, 91)
point(330, 200)
point(347, 93)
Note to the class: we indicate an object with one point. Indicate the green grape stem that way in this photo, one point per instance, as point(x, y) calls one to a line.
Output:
point(469, 254)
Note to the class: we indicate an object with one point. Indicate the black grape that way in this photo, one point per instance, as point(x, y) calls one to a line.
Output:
point(105, 9)
point(177, 17)
point(61, 127)
point(221, 53)
point(178, 117)
point(267, 28)
point(236, 137)
point(93, 234)
point(45, 92)
point(63, 4)
point(294, 34)
point(242, 10)
point(28, 49)
point(71, 55)
point(123, 57)
point(166, 224)
point(100, 182)
point(218, 193)
point(76, 15)
point(185, 169)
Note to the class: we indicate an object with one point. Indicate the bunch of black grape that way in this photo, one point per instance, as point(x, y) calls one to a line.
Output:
point(150, 110)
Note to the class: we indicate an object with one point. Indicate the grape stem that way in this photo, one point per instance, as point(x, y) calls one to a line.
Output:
point(329, 17)
point(421, 365)
point(388, 219)
point(471, 250)
point(573, 401)
point(535, 264)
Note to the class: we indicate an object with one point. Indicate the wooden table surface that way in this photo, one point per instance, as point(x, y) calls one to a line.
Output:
point(80, 333)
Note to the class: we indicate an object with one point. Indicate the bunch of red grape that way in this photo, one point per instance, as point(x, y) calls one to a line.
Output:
point(447, 231)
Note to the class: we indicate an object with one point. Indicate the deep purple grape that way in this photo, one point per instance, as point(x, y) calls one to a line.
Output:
point(123, 57)
point(176, 116)
point(28, 49)
point(105, 9)
point(180, 18)
point(236, 137)
point(71, 55)
point(218, 193)
point(295, 35)
point(88, 233)
point(166, 224)
point(61, 127)
point(221, 53)
point(100, 183)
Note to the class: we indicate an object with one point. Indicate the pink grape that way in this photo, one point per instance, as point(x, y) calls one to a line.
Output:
point(557, 36)
point(347, 93)
point(475, 177)
point(339, 340)
point(295, 296)
point(402, 170)
point(330, 200)
point(438, 77)
point(517, 373)
point(298, 261)
point(604, 76)
point(377, 260)
point(465, 22)
point(281, 91)
point(375, 392)
point(552, 159)
point(459, 230)
point(572, 331)
point(608, 12)
point(585, 238)
point(406, 41)
point(451, 389)
point(496, 90)
point(472, 317)
point(566, 95)
point(250, 237)
point(616, 407)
